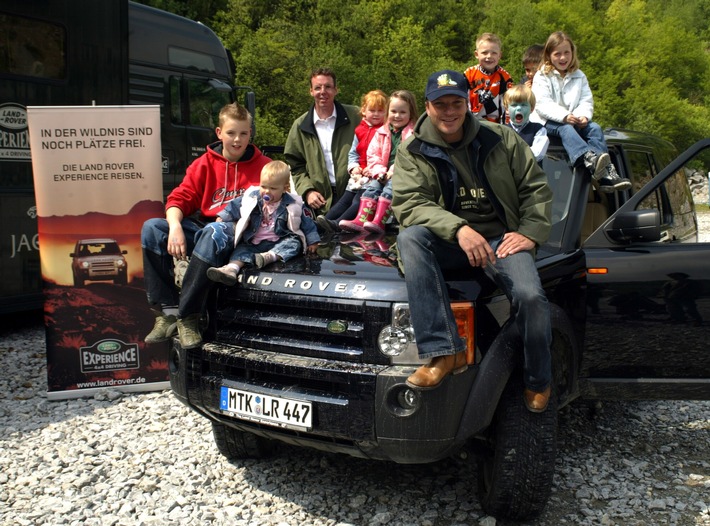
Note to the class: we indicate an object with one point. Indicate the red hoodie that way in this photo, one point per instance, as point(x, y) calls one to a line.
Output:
point(211, 181)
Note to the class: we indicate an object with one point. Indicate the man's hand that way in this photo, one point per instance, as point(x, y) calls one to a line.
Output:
point(311, 249)
point(475, 246)
point(177, 247)
point(314, 199)
point(512, 243)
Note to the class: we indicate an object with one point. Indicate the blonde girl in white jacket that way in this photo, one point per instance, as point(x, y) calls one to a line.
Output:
point(565, 106)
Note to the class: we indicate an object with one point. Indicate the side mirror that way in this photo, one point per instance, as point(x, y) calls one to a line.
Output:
point(249, 104)
point(636, 225)
point(219, 85)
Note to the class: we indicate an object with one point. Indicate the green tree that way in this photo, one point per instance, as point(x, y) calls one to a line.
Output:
point(647, 61)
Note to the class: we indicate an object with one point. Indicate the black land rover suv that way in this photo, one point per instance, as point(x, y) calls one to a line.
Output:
point(315, 352)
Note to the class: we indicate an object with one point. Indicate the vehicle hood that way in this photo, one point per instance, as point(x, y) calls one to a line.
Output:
point(354, 267)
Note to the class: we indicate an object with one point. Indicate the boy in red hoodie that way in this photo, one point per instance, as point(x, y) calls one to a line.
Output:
point(223, 172)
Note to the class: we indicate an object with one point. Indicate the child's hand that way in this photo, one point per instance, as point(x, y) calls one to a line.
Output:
point(528, 83)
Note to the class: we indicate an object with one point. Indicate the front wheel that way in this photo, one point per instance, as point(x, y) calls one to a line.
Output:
point(515, 476)
point(235, 444)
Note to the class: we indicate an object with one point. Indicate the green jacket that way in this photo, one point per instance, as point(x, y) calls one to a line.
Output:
point(304, 155)
point(425, 181)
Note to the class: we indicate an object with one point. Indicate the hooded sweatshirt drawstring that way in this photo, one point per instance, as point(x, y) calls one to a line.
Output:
point(226, 180)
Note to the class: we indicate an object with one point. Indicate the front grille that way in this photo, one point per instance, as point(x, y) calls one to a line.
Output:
point(103, 266)
point(302, 325)
point(343, 393)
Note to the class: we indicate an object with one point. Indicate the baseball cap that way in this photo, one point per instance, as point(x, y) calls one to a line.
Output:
point(446, 82)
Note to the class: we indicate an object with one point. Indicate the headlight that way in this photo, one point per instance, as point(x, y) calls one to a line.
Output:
point(84, 264)
point(120, 263)
point(397, 339)
point(393, 341)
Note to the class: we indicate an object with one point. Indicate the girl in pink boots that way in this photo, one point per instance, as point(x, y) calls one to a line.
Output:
point(373, 109)
point(375, 204)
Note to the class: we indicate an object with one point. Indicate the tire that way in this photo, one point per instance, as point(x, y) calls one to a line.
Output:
point(515, 477)
point(78, 282)
point(235, 444)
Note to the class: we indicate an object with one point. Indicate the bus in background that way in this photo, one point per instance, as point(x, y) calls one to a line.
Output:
point(82, 53)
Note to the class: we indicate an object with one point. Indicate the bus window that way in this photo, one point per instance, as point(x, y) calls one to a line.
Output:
point(205, 103)
point(187, 59)
point(32, 48)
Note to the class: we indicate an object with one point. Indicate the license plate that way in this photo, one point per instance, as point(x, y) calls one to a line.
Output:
point(266, 409)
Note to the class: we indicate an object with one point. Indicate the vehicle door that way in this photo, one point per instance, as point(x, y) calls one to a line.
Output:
point(648, 297)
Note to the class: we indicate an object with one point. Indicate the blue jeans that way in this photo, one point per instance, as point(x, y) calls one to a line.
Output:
point(286, 248)
point(425, 255)
point(578, 141)
point(376, 189)
point(207, 247)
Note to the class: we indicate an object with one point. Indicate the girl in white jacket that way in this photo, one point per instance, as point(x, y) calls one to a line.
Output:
point(565, 106)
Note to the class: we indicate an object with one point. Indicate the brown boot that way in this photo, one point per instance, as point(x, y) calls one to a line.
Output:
point(164, 328)
point(189, 331)
point(430, 375)
point(537, 402)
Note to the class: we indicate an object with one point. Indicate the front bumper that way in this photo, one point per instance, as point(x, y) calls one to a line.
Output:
point(357, 408)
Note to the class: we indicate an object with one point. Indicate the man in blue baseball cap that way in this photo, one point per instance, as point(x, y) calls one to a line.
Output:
point(469, 194)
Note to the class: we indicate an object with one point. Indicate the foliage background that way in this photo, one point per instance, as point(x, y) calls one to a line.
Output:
point(648, 61)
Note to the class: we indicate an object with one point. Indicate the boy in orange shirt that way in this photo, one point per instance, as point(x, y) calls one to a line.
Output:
point(487, 81)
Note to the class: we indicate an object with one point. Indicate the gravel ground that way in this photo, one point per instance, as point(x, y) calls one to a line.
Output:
point(144, 459)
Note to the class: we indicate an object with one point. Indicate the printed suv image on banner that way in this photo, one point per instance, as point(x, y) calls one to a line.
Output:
point(98, 177)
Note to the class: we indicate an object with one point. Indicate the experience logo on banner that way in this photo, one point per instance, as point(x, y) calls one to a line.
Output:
point(98, 178)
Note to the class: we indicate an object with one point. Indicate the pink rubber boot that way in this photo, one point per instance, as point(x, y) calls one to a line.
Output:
point(364, 214)
point(382, 214)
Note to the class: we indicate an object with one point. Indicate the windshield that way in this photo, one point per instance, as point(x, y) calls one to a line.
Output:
point(99, 249)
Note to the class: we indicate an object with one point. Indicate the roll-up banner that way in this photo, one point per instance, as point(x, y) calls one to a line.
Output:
point(97, 178)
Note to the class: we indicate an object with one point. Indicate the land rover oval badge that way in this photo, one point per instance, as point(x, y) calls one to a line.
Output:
point(337, 326)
